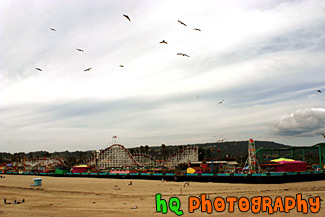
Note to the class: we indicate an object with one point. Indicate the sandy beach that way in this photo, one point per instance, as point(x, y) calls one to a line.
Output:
point(60, 196)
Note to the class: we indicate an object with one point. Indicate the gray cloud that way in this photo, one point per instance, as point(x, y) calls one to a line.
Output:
point(90, 113)
point(302, 123)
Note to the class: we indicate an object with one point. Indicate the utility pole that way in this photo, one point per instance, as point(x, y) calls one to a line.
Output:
point(211, 160)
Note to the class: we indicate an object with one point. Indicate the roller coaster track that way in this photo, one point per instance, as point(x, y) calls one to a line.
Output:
point(115, 156)
point(119, 157)
point(146, 160)
point(185, 155)
point(44, 162)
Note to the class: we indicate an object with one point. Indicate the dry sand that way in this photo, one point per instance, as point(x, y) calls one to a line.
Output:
point(60, 196)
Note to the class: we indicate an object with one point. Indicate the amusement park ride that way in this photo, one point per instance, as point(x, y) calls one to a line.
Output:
point(117, 156)
point(252, 164)
point(44, 164)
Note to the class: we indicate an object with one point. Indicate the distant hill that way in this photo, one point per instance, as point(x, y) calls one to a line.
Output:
point(220, 149)
point(239, 148)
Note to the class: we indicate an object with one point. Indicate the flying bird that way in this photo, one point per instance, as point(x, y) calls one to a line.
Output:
point(80, 50)
point(39, 69)
point(319, 91)
point(221, 102)
point(87, 69)
point(121, 66)
point(53, 29)
point(163, 41)
point(181, 23)
point(182, 54)
point(197, 29)
point(127, 17)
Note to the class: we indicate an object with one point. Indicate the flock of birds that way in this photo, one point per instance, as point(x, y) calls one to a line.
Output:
point(129, 19)
point(162, 42)
point(78, 49)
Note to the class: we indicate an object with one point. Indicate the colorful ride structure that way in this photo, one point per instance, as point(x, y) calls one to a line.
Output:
point(252, 165)
point(43, 164)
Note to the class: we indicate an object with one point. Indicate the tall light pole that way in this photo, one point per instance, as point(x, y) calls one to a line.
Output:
point(211, 160)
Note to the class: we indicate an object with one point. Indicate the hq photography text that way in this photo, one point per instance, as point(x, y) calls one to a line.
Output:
point(255, 204)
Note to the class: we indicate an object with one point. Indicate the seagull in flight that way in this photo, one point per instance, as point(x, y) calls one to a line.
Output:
point(87, 69)
point(182, 54)
point(127, 17)
point(319, 91)
point(53, 29)
point(181, 23)
point(197, 29)
point(221, 102)
point(39, 69)
point(80, 50)
point(163, 41)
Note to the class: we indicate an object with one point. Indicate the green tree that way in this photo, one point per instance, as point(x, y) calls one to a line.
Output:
point(201, 153)
point(164, 151)
point(131, 151)
point(141, 149)
point(146, 149)
point(208, 153)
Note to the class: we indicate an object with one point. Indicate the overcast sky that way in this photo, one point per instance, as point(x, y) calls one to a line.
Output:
point(265, 59)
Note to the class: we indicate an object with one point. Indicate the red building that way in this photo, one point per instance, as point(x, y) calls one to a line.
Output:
point(80, 169)
point(289, 165)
